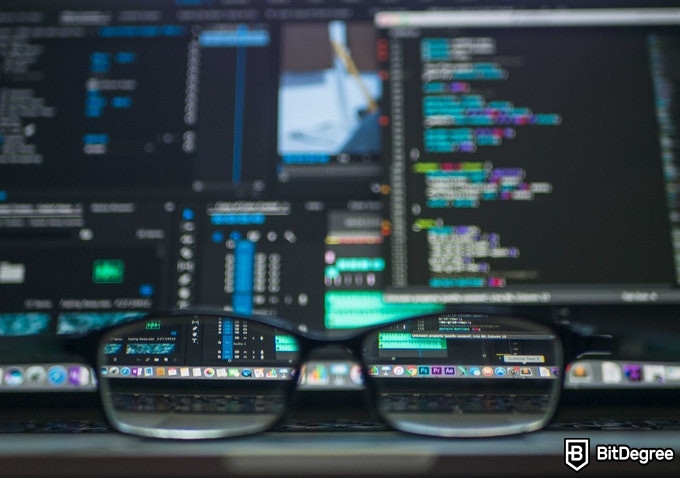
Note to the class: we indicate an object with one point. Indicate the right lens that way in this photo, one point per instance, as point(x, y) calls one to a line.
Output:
point(193, 377)
point(465, 375)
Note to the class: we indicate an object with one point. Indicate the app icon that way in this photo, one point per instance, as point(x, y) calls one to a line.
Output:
point(399, 371)
point(57, 375)
point(500, 371)
point(318, 375)
point(525, 372)
point(340, 369)
point(655, 373)
point(233, 372)
point(633, 372)
point(611, 372)
point(437, 370)
point(36, 375)
point(209, 372)
point(673, 373)
point(475, 371)
point(126, 371)
point(246, 372)
point(580, 372)
point(487, 371)
point(423, 370)
point(14, 376)
point(412, 370)
point(449, 370)
point(78, 376)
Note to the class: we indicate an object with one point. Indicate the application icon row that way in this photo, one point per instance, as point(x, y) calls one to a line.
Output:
point(463, 371)
point(625, 373)
point(46, 376)
point(122, 371)
point(321, 374)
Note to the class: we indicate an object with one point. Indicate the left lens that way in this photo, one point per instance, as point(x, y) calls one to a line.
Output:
point(193, 377)
point(465, 375)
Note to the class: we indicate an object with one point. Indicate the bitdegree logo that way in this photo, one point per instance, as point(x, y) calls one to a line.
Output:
point(577, 453)
point(626, 453)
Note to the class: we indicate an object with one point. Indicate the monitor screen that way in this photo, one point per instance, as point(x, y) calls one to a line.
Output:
point(533, 155)
point(336, 164)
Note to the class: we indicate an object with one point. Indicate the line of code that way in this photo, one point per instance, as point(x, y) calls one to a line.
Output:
point(456, 116)
point(467, 184)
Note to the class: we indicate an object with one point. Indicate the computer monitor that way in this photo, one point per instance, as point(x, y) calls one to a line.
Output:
point(337, 164)
point(533, 152)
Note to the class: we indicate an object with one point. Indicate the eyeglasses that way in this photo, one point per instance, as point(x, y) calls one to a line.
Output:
point(206, 375)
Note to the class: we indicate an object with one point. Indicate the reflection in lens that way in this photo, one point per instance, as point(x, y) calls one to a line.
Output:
point(196, 376)
point(462, 375)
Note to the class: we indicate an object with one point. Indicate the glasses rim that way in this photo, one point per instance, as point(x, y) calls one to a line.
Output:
point(310, 341)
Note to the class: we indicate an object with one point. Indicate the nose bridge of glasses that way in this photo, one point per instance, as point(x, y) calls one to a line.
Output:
point(332, 365)
point(330, 349)
point(342, 346)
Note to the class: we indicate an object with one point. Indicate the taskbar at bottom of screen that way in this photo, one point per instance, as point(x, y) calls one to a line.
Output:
point(323, 373)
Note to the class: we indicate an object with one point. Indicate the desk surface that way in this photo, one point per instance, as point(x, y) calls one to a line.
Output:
point(289, 454)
